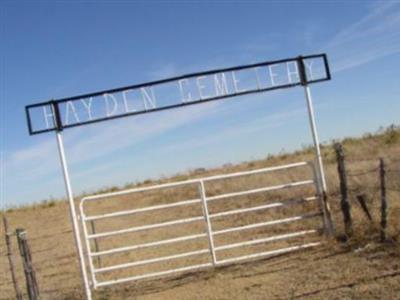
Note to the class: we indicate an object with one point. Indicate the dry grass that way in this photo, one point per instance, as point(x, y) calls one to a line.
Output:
point(360, 268)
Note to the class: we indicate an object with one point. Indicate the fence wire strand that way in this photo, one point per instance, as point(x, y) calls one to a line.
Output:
point(361, 173)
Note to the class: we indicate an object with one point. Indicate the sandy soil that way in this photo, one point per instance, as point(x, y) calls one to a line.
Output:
point(361, 268)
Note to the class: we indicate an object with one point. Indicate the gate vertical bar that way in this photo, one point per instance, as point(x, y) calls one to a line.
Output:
point(96, 243)
point(88, 249)
point(68, 188)
point(320, 167)
point(208, 222)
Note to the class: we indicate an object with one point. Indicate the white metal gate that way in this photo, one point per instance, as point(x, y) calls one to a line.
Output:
point(210, 234)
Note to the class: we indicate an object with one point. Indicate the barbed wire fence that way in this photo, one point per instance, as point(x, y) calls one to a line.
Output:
point(25, 262)
point(373, 188)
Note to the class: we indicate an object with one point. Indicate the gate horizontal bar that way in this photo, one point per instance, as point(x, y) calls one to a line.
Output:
point(194, 219)
point(268, 223)
point(205, 265)
point(140, 210)
point(150, 261)
point(155, 274)
point(265, 240)
point(259, 190)
point(145, 227)
point(141, 189)
point(147, 245)
point(261, 207)
point(193, 181)
point(268, 253)
point(257, 171)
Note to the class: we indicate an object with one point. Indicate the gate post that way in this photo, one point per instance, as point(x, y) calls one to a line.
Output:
point(321, 181)
point(73, 215)
point(314, 132)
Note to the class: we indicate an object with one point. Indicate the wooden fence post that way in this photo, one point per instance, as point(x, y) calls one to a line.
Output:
point(382, 173)
point(344, 201)
point(30, 275)
point(96, 244)
point(18, 293)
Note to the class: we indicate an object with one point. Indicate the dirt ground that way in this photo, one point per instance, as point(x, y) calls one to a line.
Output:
point(360, 268)
point(331, 271)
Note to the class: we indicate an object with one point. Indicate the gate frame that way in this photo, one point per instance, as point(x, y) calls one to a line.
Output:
point(209, 233)
point(321, 181)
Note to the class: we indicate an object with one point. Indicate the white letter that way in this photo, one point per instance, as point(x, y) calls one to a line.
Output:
point(147, 98)
point(309, 67)
point(124, 96)
point(272, 74)
point(115, 104)
point(88, 107)
point(221, 88)
point(70, 106)
point(258, 77)
point(189, 95)
point(201, 87)
point(46, 116)
point(235, 83)
point(292, 72)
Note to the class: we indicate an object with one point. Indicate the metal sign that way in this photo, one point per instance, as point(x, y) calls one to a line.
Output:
point(176, 92)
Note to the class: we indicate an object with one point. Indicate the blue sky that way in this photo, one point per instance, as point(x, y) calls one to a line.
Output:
point(59, 49)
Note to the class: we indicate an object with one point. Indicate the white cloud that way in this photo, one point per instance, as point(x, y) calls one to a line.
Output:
point(374, 36)
point(89, 143)
point(35, 152)
point(165, 71)
point(239, 129)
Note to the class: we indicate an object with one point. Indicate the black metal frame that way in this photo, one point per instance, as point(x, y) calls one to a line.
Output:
point(54, 104)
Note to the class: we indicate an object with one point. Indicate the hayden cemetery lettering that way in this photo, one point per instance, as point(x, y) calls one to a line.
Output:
point(175, 92)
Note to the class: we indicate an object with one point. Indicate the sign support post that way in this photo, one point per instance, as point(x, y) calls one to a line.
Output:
point(73, 215)
point(314, 132)
point(328, 226)
point(320, 167)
